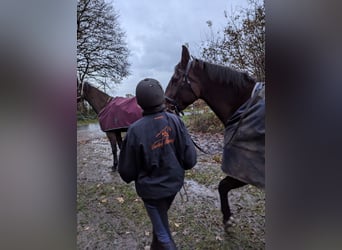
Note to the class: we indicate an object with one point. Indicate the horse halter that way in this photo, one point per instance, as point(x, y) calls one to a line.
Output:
point(186, 73)
point(174, 105)
point(185, 81)
point(81, 96)
point(186, 78)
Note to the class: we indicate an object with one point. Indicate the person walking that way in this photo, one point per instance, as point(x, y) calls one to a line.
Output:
point(155, 153)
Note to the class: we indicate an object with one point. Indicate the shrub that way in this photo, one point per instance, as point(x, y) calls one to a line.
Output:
point(86, 114)
point(200, 118)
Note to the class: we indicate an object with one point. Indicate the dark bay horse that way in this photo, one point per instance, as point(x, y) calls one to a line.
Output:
point(225, 91)
point(99, 100)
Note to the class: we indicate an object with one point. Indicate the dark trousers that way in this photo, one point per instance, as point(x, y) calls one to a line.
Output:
point(157, 211)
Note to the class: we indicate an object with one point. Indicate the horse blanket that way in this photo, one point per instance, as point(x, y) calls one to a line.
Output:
point(244, 143)
point(119, 113)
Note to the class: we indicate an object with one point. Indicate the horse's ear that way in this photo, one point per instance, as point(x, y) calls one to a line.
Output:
point(200, 64)
point(185, 56)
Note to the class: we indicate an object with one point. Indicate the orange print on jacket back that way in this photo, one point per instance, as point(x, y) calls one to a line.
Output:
point(163, 138)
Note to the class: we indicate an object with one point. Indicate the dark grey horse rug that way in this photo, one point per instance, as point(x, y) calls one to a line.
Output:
point(119, 113)
point(244, 144)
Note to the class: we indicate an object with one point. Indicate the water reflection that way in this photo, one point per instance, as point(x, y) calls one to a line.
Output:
point(89, 131)
point(89, 127)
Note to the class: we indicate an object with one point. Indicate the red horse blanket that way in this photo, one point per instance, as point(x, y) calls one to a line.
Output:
point(119, 113)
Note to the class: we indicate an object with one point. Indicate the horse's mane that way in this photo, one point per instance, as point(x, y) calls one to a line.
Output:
point(228, 76)
point(95, 97)
point(89, 85)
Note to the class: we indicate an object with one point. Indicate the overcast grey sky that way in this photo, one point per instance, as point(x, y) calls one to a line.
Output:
point(155, 31)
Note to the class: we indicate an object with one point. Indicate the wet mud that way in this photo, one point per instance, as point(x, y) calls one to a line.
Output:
point(111, 216)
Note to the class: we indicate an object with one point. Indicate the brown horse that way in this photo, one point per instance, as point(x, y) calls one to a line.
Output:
point(228, 93)
point(99, 101)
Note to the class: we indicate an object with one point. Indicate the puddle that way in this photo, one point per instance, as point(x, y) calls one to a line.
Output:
point(197, 190)
point(89, 131)
point(94, 160)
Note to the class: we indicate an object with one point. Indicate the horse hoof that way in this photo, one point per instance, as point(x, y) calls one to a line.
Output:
point(229, 223)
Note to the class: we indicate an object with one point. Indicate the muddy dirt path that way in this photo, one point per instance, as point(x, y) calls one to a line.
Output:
point(111, 216)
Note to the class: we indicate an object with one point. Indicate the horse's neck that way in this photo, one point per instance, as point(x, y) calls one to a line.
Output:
point(222, 105)
point(96, 98)
point(223, 112)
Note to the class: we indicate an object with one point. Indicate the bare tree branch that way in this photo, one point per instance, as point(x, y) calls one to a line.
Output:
point(102, 52)
point(242, 42)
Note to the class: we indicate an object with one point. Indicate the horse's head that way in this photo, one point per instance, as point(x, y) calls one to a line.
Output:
point(184, 86)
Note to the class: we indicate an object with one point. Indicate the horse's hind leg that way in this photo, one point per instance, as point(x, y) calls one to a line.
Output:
point(225, 186)
point(112, 138)
point(118, 138)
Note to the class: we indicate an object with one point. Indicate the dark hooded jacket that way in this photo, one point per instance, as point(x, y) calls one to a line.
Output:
point(155, 152)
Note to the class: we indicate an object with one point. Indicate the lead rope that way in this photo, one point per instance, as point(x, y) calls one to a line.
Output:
point(200, 149)
point(186, 194)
